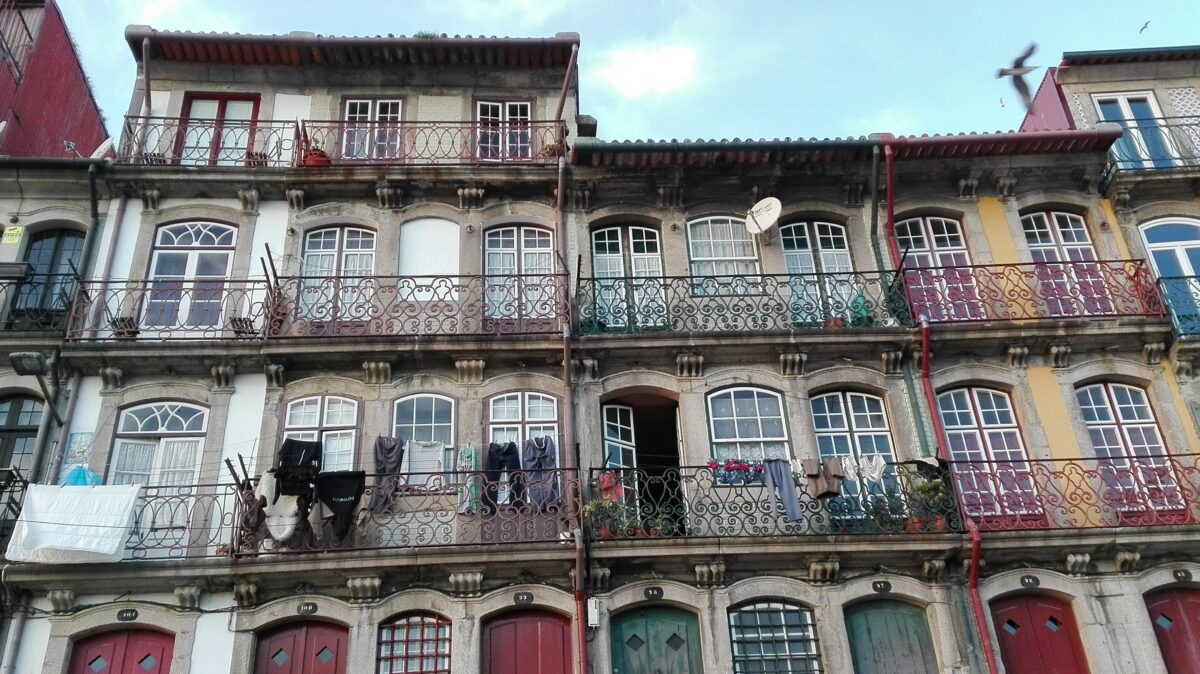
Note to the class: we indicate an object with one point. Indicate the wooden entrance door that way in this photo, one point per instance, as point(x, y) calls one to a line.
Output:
point(890, 637)
point(527, 642)
point(302, 648)
point(1038, 635)
point(125, 652)
point(656, 640)
point(1175, 615)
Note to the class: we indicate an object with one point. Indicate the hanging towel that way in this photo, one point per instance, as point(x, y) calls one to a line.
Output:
point(778, 476)
point(539, 459)
point(425, 463)
point(469, 487)
point(73, 525)
point(286, 516)
point(872, 467)
point(340, 491)
point(389, 455)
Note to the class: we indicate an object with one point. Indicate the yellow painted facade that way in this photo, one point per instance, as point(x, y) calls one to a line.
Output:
point(1181, 408)
point(1052, 413)
point(996, 229)
point(1111, 217)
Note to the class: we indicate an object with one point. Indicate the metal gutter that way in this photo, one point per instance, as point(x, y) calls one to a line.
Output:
point(1127, 55)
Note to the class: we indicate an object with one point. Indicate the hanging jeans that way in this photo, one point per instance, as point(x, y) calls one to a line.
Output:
point(389, 455)
point(778, 474)
point(503, 460)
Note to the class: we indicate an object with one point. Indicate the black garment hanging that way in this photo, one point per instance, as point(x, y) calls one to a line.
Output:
point(389, 456)
point(296, 466)
point(340, 492)
point(538, 458)
point(503, 459)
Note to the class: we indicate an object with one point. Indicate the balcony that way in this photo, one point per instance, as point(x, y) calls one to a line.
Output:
point(1033, 291)
point(704, 502)
point(1080, 493)
point(314, 307)
point(1182, 295)
point(759, 303)
point(172, 141)
point(1156, 144)
point(36, 303)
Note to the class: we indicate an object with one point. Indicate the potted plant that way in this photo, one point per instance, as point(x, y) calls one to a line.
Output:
point(314, 154)
point(931, 503)
point(606, 518)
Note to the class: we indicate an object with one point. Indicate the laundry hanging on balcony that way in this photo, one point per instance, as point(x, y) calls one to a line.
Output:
point(73, 525)
point(470, 487)
point(389, 456)
point(340, 493)
point(540, 459)
point(778, 476)
point(502, 465)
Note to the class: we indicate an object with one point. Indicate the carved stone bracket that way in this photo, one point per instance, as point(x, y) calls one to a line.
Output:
point(222, 375)
point(187, 596)
point(364, 589)
point(670, 195)
point(968, 187)
point(1006, 186)
point(891, 361)
point(249, 199)
point(854, 189)
point(1077, 563)
point(295, 198)
point(390, 196)
point(61, 600)
point(1126, 561)
point(470, 197)
point(274, 372)
point(934, 570)
point(825, 571)
point(1018, 356)
point(111, 378)
point(689, 365)
point(1121, 198)
point(245, 593)
point(466, 583)
point(1153, 352)
point(1090, 183)
point(586, 367)
point(579, 196)
point(1060, 355)
point(470, 370)
point(599, 577)
point(710, 574)
point(792, 364)
point(377, 372)
point(1183, 366)
point(150, 198)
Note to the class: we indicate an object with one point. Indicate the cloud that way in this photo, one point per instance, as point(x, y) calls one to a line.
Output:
point(634, 72)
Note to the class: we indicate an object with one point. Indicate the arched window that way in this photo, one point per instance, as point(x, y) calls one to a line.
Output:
point(338, 251)
point(984, 438)
point(774, 636)
point(853, 428)
point(426, 422)
point(517, 262)
point(42, 297)
point(331, 420)
point(417, 642)
point(159, 444)
point(1069, 288)
point(1054, 236)
point(721, 246)
point(19, 419)
point(818, 261)
point(1174, 247)
point(747, 424)
point(189, 266)
point(519, 417)
point(940, 283)
point(627, 263)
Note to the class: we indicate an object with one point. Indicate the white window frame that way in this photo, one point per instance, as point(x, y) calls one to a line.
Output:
point(935, 272)
point(1134, 137)
point(323, 430)
point(707, 265)
point(131, 432)
point(375, 134)
point(748, 448)
point(518, 263)
point(1176, 246)
point(409, 431)
point(986, 439)
point(506, 131)
point(187, 302)
point(520, 429)
point(846, 440)
point(628, 283)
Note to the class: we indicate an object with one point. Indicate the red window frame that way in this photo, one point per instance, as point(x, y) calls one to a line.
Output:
point(222, 99)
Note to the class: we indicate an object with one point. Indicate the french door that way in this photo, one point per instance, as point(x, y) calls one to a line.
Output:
point(818, 266)
point(504, 130)
point(189, 267)
point(1066, 284)
point(519, 283)
point(940, 281)
point(1146, 143)
point(218, 130)
point(42, 298)
point(372, 129)
point(336, 272)
point(627, 263)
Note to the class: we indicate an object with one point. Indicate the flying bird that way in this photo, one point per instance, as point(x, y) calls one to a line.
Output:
point(1144, 27)
point(1002, 102)
point(1017, 72)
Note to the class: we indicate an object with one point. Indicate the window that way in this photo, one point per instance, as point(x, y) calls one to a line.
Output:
point(19, 419)
point(1174, 247)
point(415, 643)
point(336, 265)
point(983, 434)
point(42, 297)
point(627, 263)
point(818, 259)
point(1067, 289)
point(940, 281)
point(504, 130)
point(1125, 437)
point(721, 246)
point(372, 129)
point(1145, 143)
point(189, 267)
point(774, 636)
point(218, 130)
point(158, 444)
point(518, 417)
point(747, 424)
point(425, 417)
point(853, 427)
point(331, 420)
point(518, 262)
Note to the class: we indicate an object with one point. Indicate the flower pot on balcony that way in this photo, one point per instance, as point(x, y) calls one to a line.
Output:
point(835, 323)
point(315, 157)
point(125, 327)
point(919, 524)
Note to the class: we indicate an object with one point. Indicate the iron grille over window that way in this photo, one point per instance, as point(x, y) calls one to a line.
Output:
point(774, 637)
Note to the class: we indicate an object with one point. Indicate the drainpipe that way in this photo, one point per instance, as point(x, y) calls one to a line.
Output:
point(15, 629)
point(60, 448)
point(41, 442)
point(985, 638)
point(562, 95)
point(580, 601)
point(891, 204)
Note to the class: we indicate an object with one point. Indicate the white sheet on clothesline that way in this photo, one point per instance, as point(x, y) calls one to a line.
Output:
point(73, 524)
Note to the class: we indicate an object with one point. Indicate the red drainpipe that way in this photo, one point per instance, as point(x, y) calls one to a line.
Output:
point(580, 603)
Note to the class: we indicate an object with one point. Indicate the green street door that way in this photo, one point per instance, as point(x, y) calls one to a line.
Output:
point(890, 637)
point(656, 640)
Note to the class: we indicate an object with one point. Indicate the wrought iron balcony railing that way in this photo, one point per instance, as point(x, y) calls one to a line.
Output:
point(1080, 493)
point(39, 302)
point(1182, 295)
point(313, 143)
point(759, 303)
point(703, 502)
point(1157, 143)
point(1032, 291)
point(308, 307)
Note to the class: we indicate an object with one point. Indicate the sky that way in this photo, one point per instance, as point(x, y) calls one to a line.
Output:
point(688, 69)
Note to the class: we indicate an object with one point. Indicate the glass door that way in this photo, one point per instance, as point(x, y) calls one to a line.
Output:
point(218, 131)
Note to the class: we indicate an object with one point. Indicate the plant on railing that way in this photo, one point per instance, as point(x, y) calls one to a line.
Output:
point(736, 471)
point(929, 505)
point(314, 153)
point(607, 518)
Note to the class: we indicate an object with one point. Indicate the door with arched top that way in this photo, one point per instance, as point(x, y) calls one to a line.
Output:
point(656, 640)
point(890, 637)
point(527, 642)
point(302, 648)
point(123, 652)
point(1038, 635)
point(1175, 615)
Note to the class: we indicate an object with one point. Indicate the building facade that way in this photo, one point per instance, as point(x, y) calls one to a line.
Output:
point(935, 419)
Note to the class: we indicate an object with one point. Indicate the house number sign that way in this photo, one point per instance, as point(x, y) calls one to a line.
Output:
point(881, 586)
point(1030, 581)
point(306, 608)
point(127, 615)
point(1182, 575)
point(653, 592)
point(523, 598)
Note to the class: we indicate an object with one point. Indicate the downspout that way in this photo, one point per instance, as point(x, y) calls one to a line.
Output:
point(43, 434)
point(15, 629)
point(985, 638)
point(60, 448)
point(562, 94)
point(580, 600)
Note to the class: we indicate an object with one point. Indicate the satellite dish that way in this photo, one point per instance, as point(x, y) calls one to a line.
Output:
point(103, 149)
point(763, 215)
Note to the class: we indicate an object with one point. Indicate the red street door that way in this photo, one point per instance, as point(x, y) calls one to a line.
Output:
point(1038, 636)
point(303, 648)
point(527, 642)
point(125, 652)
point(1175, 615)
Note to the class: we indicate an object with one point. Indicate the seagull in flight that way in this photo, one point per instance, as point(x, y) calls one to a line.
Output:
point(1144, 27)
point(1017, 72)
